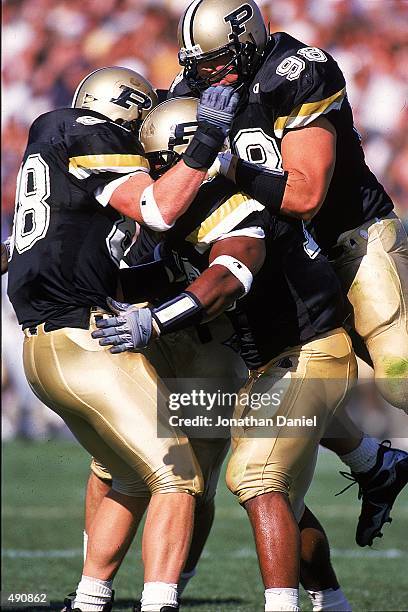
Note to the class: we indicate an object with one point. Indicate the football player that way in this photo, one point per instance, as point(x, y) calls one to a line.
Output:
point(83, 185)
point(295, 334)
point(296, 150)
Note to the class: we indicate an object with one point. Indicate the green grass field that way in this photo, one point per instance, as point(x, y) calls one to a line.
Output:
point(43, 491)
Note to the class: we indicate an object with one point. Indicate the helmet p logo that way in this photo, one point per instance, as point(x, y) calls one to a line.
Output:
point(237, 20)
point(183, 133)
point(132, 97)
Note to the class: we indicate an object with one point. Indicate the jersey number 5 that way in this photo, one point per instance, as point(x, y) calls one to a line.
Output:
point(32, 213)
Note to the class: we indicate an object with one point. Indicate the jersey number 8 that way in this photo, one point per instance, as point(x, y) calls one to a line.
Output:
point(32, 214)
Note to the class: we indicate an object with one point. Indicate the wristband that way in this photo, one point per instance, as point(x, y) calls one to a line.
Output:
point(183, 311)
point(264, 185)
point(202, 151)
point(237, 268)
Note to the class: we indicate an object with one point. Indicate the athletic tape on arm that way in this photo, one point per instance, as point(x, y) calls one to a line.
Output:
point(151, 214)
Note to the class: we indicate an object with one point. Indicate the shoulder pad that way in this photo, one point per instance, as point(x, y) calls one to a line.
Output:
point(87, 122)
point(300, 83)
point(51, 126)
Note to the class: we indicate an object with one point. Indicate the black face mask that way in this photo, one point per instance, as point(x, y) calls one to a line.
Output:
point(161, 161)
point(243, 61)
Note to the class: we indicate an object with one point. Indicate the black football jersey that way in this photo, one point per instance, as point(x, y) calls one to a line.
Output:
point(295, 296)
point(67, 240)
point(295, 85)
point(217, 212)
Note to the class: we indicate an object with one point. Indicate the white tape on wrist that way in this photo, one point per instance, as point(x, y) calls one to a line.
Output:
point(151, 214)
point(237, 268)
point(215, 169)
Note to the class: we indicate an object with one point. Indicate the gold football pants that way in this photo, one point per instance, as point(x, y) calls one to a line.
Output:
point(110, 404)
point(311, 381)
point(183, 356)
point(373, 270)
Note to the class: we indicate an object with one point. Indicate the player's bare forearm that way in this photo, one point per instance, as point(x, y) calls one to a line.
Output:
point(173, 193)
point(217, 288)
point(233, 262)
point(176, 190)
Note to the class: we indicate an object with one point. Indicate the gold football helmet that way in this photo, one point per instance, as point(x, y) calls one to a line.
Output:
point(167, 131)
point(209, 29)
point(121, 94)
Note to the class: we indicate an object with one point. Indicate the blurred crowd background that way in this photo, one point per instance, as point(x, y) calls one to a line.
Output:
point(48, 46)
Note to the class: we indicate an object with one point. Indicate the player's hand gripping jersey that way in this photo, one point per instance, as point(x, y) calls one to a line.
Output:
point(295, 85)
point(67, 239)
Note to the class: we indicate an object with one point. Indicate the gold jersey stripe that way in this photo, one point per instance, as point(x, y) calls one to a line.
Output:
point(221, 214)
point(109, 161)
point(304, 113)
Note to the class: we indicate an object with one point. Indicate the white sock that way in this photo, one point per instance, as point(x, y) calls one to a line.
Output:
point(364, 457)
point(184, 580)
point(92, 594)
point(282, 599)
point(158, 594)
point(333, 600)
point(85, 544)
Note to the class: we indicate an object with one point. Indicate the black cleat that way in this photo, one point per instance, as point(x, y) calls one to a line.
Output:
point(68, 601)
point(378, 490)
